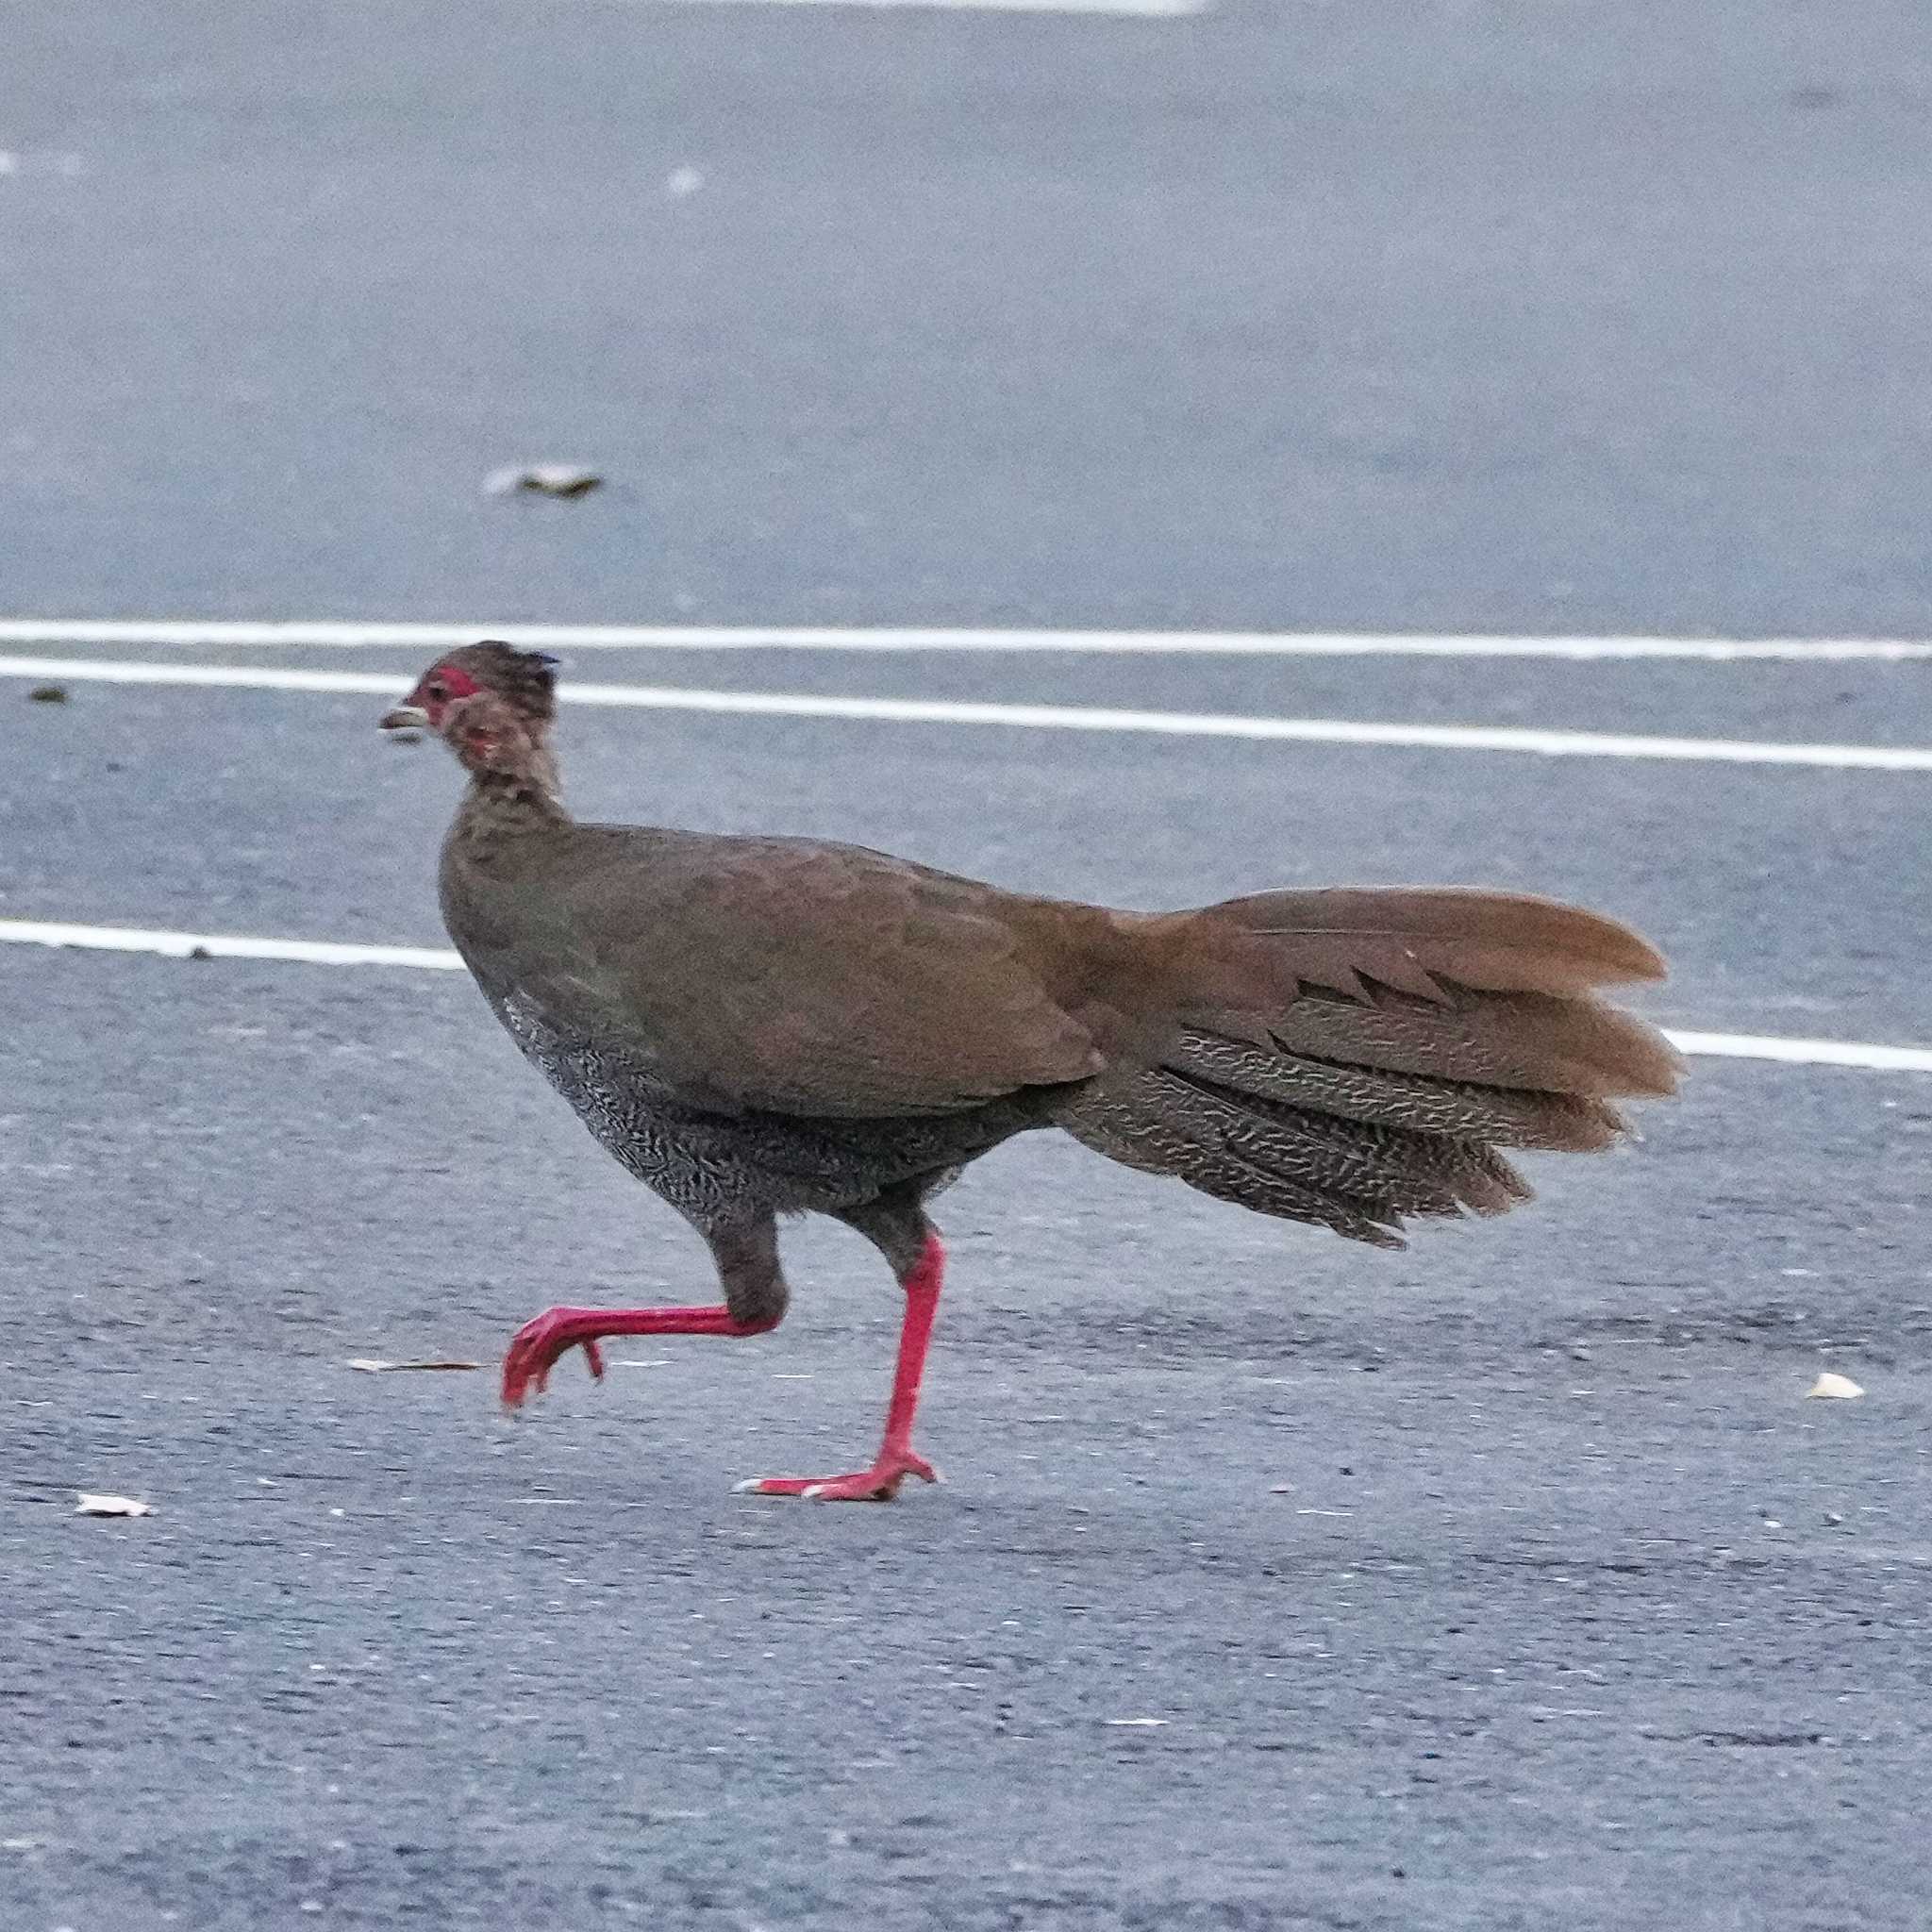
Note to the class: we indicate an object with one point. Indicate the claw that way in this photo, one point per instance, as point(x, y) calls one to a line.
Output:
point(878, 1484)
point(538, 1346)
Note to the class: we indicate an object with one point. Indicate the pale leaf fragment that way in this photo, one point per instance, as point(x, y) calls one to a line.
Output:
point(1835, 1388)
point(541, 479)
point(372, 1365)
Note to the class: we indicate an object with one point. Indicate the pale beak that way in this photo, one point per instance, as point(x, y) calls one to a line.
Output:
point(404, 718)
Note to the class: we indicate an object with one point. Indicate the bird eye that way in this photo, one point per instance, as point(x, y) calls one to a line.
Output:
point(436, 690)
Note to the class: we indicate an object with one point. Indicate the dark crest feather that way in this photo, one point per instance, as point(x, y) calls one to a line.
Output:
point(527, 678)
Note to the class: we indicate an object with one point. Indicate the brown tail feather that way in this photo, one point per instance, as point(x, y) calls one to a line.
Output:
point(1526, 1040)
point(1387, 1169)
point(1489, 987)
point(1402, 936)
point(1353, 1058)
point(1510, 1116)
point(1140, 1126)
point(1358, 1179)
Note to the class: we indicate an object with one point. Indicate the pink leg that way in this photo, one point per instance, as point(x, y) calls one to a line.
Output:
point(896, 1459)
point(535, 1348)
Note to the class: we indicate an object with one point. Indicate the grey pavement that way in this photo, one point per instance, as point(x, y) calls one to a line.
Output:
point(1507, 1582)
point(1441, 317)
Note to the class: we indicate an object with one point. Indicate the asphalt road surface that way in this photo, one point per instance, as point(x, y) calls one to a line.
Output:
point(1507, 1582)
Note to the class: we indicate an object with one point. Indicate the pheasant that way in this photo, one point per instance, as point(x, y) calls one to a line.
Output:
point(764, 1026)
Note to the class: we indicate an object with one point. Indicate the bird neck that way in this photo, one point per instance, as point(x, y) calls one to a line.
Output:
point(513, 798)
point(513, 777)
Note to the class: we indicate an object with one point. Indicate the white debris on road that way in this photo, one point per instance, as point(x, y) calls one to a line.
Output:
point(1835, 1388)
point(91, 1504)
point(541, 479)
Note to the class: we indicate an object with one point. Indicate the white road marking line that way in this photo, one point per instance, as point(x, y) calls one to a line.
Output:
point(185, 945)
point(239, 676)
point(181, 945)
point(356, 635)
point(747, 704)
point(1150, 10)
point(1806, 1053)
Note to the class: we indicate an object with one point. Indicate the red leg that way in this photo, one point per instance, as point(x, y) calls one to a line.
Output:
point(896, 1459)
point(535, 1348)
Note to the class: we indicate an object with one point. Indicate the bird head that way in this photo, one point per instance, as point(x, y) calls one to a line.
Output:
point(491, 703)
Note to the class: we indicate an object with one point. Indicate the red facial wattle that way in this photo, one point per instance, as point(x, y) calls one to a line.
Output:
point(440, 687)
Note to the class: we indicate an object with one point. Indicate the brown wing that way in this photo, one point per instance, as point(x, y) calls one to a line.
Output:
point(802, 977)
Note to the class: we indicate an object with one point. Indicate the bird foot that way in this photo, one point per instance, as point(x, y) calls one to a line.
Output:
point(878, 1484)
point(535, 1348)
